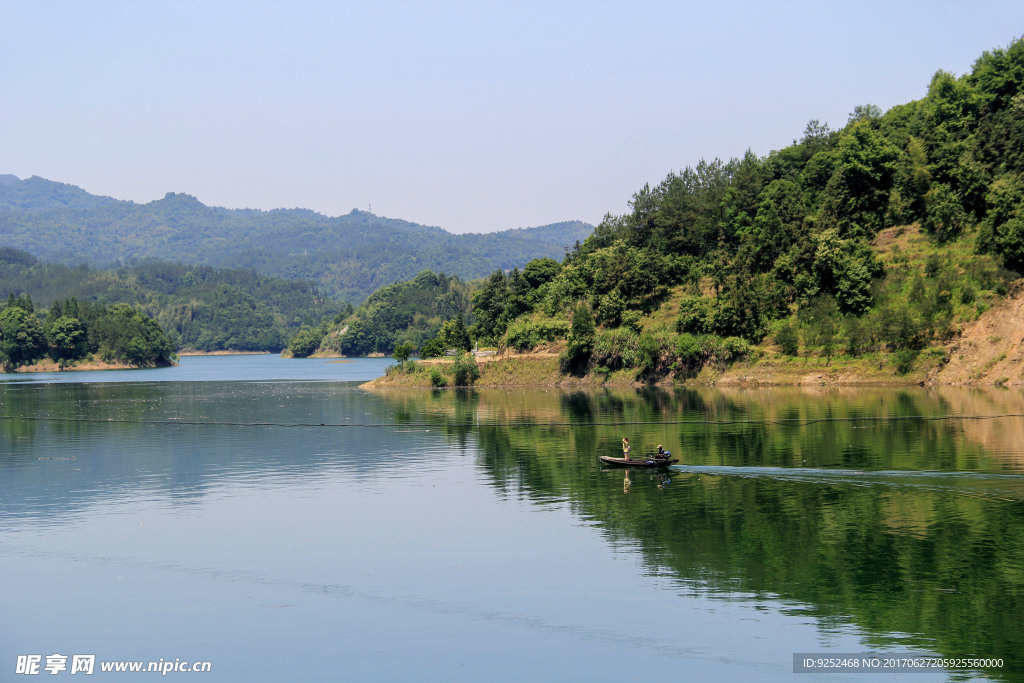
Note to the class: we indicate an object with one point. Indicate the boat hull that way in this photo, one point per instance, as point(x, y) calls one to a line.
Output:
point(635, 462)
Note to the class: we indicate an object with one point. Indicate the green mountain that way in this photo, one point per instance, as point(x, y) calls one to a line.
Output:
point(350, 256)
point(875, 244)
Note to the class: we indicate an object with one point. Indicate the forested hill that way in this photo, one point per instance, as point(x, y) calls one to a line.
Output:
point(201, 308)
point(873, 245)
point(349, 256)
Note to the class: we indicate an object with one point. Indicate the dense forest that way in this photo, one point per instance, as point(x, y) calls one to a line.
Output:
point(406, 314)
point(878, 238)
point(348, 256)
point(73, 331)
point(200, 307)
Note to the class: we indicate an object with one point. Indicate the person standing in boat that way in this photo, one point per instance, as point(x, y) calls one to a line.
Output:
point(625, 449)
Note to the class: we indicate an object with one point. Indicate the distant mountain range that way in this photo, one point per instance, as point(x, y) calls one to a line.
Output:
point(350, 256)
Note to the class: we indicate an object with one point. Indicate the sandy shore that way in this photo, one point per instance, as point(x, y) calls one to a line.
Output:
point(52, 366)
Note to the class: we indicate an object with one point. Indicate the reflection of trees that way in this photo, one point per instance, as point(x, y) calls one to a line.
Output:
point(135, 438)
point(942, 563)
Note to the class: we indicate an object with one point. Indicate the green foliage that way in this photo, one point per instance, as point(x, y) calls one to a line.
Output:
point(522, 336)
point(858, 336)
point(944, 212)
point(403, 351)
point(437, 379)
point(623, 348)
point(451, 337)
point(1002, 231)
point(465, 370)
point(695, 315)
point(856, 197)
point(732, 349)
point(454, 335)
point(227, 318)
point(432, 348)
point(581, 341)
point(72, 331)
point(525, 334)
point(899, 328)
point(616, 349)
point(845, 268)
point(651, 351)
point(126, 334)
point(408, 312)
point(820, 319)
point(690, 350)
point(489, 307)
point(693, 351)
point(788, 338)
point(67, 339)
point(21, 337)
point(744, 307)
point(540, 271)
point(624, 276)
point(904, 359)
point(306, 342)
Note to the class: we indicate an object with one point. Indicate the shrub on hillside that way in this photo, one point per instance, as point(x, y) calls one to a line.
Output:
point(465, 370)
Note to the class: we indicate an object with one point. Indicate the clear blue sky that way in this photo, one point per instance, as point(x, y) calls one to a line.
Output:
point(472, 116)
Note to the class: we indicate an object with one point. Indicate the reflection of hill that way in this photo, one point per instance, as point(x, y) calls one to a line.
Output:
point(903, 442)
point(1005, 437)
point(938, 557)
point(868, 428)
point(117, 440)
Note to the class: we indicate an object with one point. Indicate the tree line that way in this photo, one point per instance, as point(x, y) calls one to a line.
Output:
point(201, 308)
point(71, 331)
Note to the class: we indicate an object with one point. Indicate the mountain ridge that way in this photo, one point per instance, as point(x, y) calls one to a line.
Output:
point(349, 255)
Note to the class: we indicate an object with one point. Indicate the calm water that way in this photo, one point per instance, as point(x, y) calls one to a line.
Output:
point(272, 518)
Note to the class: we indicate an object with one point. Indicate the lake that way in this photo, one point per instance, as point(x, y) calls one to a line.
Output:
point(271, 518)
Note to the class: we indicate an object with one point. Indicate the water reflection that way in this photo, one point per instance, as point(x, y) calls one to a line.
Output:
point(849, 505)
point(67, 444)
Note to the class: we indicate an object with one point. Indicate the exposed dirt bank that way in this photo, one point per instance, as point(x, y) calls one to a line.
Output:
point(990, 350)
point(51, 366)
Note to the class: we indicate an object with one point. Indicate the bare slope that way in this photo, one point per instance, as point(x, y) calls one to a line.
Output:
point(989, 350)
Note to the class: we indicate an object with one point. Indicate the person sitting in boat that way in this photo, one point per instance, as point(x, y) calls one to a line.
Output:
point(625, 449)
point(662, 453)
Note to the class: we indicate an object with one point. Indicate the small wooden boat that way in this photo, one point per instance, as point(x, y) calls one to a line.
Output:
point(638, 462)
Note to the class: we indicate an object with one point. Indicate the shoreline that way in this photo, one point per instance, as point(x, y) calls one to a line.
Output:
point(225, 353)
point(541, 370)
point(985, 352)
point(83, 366)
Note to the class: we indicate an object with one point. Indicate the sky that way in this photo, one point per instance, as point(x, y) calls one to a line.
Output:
point(471, 116)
